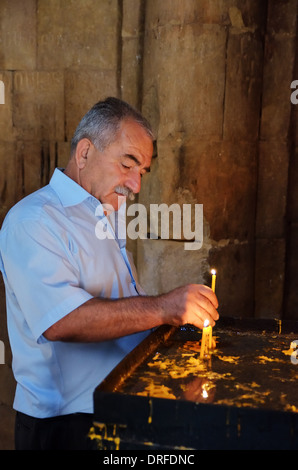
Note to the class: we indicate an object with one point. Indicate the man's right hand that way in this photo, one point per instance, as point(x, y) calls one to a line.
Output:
point(193, 303)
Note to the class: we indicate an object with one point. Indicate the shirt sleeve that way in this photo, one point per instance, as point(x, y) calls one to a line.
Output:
point(41, 273)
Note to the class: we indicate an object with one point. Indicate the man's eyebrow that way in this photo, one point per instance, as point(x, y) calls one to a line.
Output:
point(132, 157)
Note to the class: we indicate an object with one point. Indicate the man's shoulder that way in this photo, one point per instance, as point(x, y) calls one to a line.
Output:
point(32, 207)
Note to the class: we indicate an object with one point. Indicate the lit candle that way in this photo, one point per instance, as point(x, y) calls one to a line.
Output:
point(206, 342)
point(213, 272)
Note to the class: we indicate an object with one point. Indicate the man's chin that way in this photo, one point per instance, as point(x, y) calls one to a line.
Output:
point(114, 203)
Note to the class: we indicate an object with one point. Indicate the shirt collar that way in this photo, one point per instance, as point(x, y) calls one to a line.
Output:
point(69, 192)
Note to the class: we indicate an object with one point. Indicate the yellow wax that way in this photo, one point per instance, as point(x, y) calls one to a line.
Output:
point(213, 280)
point(206, 341)
point(203, 344)
point(210, 338)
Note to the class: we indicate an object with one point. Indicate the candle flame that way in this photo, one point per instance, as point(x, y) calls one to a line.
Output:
point(205, 393)
point(206, 323)
point(213, 272)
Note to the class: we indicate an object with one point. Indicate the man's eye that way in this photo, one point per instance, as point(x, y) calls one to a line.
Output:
point(125, 166)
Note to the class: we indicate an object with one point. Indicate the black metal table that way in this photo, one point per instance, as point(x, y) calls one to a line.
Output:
point(163, 396)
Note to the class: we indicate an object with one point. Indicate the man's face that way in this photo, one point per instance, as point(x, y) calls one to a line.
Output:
point(121, 165)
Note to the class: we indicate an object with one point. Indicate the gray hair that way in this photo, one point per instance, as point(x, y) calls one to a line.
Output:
point(102, 123)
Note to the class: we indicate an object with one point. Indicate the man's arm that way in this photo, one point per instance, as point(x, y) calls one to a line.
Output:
point(106, 319)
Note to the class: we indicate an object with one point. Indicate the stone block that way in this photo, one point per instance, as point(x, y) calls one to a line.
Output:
point(18, 34)
point(292, 202)
point(29, 167)
point(222, 176)
point(6, 122)
point(83, 89)
point(174, 12)
point(35, 164)
point(132, 18)
point(164, 264)
point(282, 16)
point(132, 36)
point(162, 183)
point(243, 87)
point(177, 55)
point(278, 75)
point(131, 71)
point(291, 274)
point(279, 65)
point(46, 159)
point(234, 264)
point(245, 15)
point(7, 178)
point(272, 189)
point(63, 154)
point(38, 112)
point(81, 33)
point(269, 278)
point(251, 12)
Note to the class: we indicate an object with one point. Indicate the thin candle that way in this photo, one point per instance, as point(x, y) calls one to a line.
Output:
point(206, 342)
point(213, 272)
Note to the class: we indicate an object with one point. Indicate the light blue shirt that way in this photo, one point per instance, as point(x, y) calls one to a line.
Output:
point(53, 259)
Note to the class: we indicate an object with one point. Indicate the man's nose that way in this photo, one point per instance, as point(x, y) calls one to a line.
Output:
point(133, 182)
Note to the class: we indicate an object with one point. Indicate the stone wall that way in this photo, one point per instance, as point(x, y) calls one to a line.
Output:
point(219, 99)
point(213, 77)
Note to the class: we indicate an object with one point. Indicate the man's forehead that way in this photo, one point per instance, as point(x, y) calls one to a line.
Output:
point(130, 126)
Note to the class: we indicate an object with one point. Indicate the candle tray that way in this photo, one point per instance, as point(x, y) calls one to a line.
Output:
point(243, 396)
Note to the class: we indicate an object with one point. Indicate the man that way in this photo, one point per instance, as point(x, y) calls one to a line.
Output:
point(74, 305)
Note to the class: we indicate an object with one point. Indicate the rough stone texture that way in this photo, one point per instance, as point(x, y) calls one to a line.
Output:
point(275, 147)
point(272, 189)
point(173, 50)
point(222, 176)
point(82, 34)
point(7, 385)
point(6, 123)
point(83, 89)
point(132, 53)
point(235, 280)
point(38, 111)
point(18, 34)
point(243, 86)
point(204, 102)
point(278, 72)
point(291, 272)
point(269, 277)
point(7, 177)
point(168, 273)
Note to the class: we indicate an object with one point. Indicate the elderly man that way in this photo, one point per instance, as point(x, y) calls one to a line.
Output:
point(74, 306)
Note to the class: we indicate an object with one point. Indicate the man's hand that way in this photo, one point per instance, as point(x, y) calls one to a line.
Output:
point(193, 303)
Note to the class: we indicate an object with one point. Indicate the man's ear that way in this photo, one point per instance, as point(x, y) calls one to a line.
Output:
point(81, 154)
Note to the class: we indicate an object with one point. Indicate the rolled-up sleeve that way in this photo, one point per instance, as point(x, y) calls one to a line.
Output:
point(41, 274)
